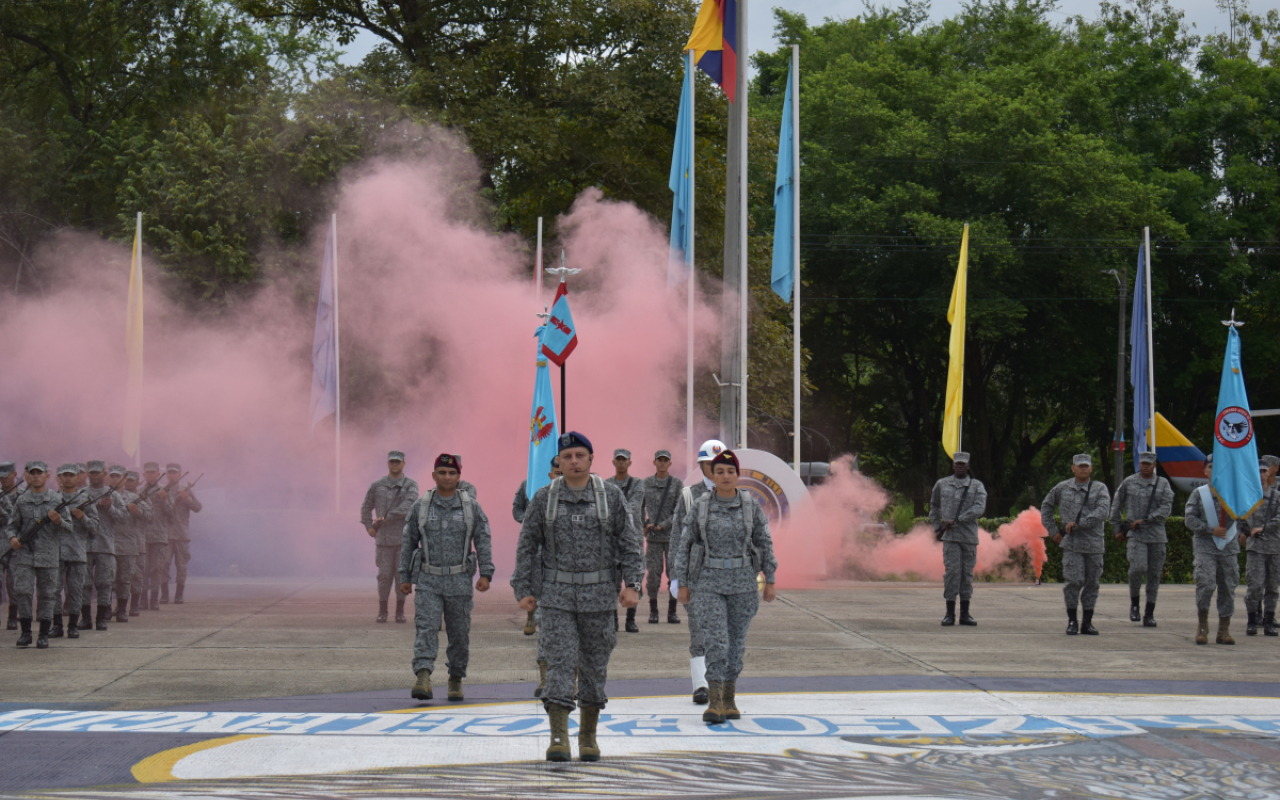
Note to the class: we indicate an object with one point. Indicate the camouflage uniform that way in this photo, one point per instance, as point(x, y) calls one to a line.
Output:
point(1262, 563)
point(577, 617)
point(6, 510)
point(389, 536)
point(660, 500)
point(1214, 568)
point(464, 486)
point(725, 597)
point(73, 540)
point(519, 506)
point(450, 596)
point(697, 645)
point(960, 541)
point(100, 567)
point(520, 502)
point(130, 546)
point(35, 566)
point(1087, 503)
point(1147, 545)
point(156, 553)
point(180, 536)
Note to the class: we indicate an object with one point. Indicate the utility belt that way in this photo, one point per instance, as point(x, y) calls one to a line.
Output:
point(578, 578)
point(444, 571)
point(726, 563)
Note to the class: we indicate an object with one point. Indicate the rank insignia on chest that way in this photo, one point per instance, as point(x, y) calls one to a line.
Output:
point(578, 519)
point(431, 515)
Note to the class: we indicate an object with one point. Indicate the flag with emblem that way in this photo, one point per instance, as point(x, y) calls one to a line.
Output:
point(543, 430)
point(561, 337)
point(1235, 479)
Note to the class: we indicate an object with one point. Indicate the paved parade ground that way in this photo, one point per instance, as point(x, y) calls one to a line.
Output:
point(287, 689)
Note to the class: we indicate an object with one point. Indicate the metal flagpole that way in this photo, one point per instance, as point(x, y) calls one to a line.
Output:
point(337, 377)
point(795, 247)
point(741, 95)
point(137, 455)
point(564, 273)
point(537, 263)
point(1151, 360)
point(692, 289)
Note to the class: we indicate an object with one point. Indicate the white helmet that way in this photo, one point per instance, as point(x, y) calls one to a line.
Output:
point(710, 449)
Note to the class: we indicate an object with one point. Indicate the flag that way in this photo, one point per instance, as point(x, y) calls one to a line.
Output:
point(681, 183)
point(955, 368)
point(1235, 479)
point(785, 224)
point(324, 349)
point(543, 431)
point(714, 42)
point(561, 337)
point(1139, 369)
point(1180, 458)
point(133, 350)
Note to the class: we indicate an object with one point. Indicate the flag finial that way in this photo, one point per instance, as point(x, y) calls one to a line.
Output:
point(563, 271)
point(1231, 323)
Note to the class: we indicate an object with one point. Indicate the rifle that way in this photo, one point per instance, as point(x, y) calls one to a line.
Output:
point(377, 523)
point(30, 535)
point(191, 485)
point(15, 488)
point(155, 487)
point(110, 491)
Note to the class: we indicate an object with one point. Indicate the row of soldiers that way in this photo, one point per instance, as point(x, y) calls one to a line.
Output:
point(1074, 513)
point(99, 530)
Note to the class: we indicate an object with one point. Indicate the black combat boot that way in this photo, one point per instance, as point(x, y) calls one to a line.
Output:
point(177, 593)
point(1251, 626)
point(950, 618)
point(382, 611)
point(155, 598)
point(965, 618)
point(13, 617)
point(25, 639)
point(653, 611)
point(122, 610)
point(104, 614)
point(1086, 624)
point(86, 614)
point(133, 604)
point(42, 638)
point(615, 620)
point(1133, 609)
point(73, 631)
point(1269, 626)
point(1073, 627)
point(632, 627)
point(56, 632)
point(164, 593)
point(400, 609)
point(1149, 618)
point(671, 612)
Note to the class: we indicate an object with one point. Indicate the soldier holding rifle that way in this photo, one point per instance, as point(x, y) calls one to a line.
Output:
point(386, 505)
point(33, 532)
point(1145, 500)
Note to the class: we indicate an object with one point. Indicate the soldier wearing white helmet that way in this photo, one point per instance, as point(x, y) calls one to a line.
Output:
point(688, 496)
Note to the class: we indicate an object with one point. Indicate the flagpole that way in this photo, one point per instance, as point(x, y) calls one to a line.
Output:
point(693, 275)
point(1151, 361)
point(537, 263)
point(795, 251)
point(741, 93)
point(337, 377)
point(137, 234)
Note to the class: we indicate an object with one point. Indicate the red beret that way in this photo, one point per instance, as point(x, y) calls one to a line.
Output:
point(446, 460)
point(726, 457)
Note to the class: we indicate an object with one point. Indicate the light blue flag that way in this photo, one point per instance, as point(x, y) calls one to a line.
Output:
point(324, 353)
point(785, 225)
point(1138, 369)
point(543, 430)
point(681, 183)
point(1235, 450)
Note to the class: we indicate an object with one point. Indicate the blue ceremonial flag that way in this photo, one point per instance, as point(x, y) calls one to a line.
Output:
point(785, 224)
point(1235, 479)
point(543, 431)
point(324, 349)
point(681, 183)
point(1138, 367)
point(561, 336)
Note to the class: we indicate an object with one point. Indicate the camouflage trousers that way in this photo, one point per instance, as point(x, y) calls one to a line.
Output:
point(581, 640)
point(657, 559)
point(958, 561)
point(157, 565)
point(1262, 574)
point(40, 582)
point(126, 580)
point(100, 574)
point(388, 561)
point(1081, 573)
point(1221, 572)
point(180, 556)
point(1146, 563)
point(725, 619)
point(71, 576)
point(697, 643)
point(8, 583)
point(428, 608)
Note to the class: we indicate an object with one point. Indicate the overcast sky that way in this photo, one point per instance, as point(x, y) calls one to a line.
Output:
point(1202, 14)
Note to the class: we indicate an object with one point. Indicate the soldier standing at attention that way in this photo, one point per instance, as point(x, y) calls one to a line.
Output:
point(1273, 465)
point(633, 492)
point(725, 545)
point(35, 564)
point(1214, 568)
point(1146, 500)
point(957, 504)
point(576, 531)
point(141, 512)
point(184, 504)
point(101, 551)
point(386, 504)
point(9, 493)
point(688, 497)
point(661, 496)
point(1082, 504)
point(440, 534)
point(1261, 534)
point(73, 539)
point(518, 506)
point(157, 536)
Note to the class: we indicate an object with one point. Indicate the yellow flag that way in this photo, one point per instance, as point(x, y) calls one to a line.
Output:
point(133, 350)
point(955, 369)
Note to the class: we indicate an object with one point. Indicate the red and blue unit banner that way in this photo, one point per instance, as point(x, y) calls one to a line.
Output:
point(714, 43)
point(561, 337)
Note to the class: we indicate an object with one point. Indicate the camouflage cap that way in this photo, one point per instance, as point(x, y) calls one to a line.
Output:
point(1147, 457)
point(960, 458)
point(69, 469)
point(96, 466)
point(1272, 461)
point(40, 465)
point(395, 455)
point(132, 474)
point(116, 469)
point(7, 468)
point(662, 454)
point(151, 466)
point(1082, 459)
point(173, 466)
point(1263, 465)
point(622, 452)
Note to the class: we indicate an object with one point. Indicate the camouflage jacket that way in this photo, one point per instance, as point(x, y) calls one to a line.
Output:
point(1087, 502)
point(945, 507)
point(378, 499)
point(1135, 501)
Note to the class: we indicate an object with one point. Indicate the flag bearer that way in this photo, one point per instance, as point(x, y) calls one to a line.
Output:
point(1082, 505)
point(1215, 569)
point(957, 504)
point(1145, 500)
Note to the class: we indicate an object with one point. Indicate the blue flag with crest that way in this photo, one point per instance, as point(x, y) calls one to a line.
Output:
point(1235, 480)
point(543, 430)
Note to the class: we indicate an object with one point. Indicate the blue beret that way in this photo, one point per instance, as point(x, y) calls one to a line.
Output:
point(575, 439)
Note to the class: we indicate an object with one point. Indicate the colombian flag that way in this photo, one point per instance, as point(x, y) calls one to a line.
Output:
point(714, 43)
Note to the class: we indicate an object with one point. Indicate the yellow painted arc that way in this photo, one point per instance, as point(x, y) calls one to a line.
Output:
point(158, 768)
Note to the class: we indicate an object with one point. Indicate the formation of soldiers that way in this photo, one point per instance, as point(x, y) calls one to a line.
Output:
point(1074, 513)
point(585, 546)
point(97, 530)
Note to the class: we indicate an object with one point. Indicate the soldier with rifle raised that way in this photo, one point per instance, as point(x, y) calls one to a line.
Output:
point(386, 505)
point(101, 550)
point(131, 545)
point(72, 558)
point(1145, 500)
point(33, 533)
point(183, 503)
point(157, 535)
point(10, 487)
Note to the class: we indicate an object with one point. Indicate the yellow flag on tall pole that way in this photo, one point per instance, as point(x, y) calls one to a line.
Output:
point(951, 417)
point(133, 352)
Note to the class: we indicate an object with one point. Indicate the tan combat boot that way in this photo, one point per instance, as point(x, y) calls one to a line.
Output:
point(455, 687)
point(588, 750)
point(422, 689)
point(530, 625)
point(1224, 631)
point(542, 679)
point(714, 714)
point(727, 700)
point(559, 749)
point(1202, 632)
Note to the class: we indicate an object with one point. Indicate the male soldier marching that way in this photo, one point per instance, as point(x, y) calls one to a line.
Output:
point(957, 504)
point(131, 546)
point(633, 491)
point(156, 561)
point(72, 540)
point(1261, 535)
point(688, 498)
point(386, 504)
point(581, 527)
point(440, 535)
point(101, 550)
point(182, 503)
point(1214, 568)
point(1082, 504)
point(8, 493)
point(1146, 500)
point(661, 496)
point(35, 564)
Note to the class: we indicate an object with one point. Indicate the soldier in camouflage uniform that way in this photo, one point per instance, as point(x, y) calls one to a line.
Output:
point(72, 541)
point(184, 503)
point(957, 504)
point(1082, 505)
point(386, 505)
point(633, 491)
point(577, 531)
point(9, 492)
point(1214, 569)
point(100, 568)
point(688, 497)
point(1261, 535)
point(661, 496)
point(131, 544)
point(35, 565)
point(726, 543)
point(518, 506)
point(155, 557)
point(446, 538)
point(1145, 500)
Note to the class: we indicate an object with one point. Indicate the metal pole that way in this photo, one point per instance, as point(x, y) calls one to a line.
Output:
point(137, 456)
point(563, 423)
point(741, 94)
point(1151, 356)
point(1119, 434)
point(795, 248)
point(337, 376)
point(693, 275)
point(537, 264)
